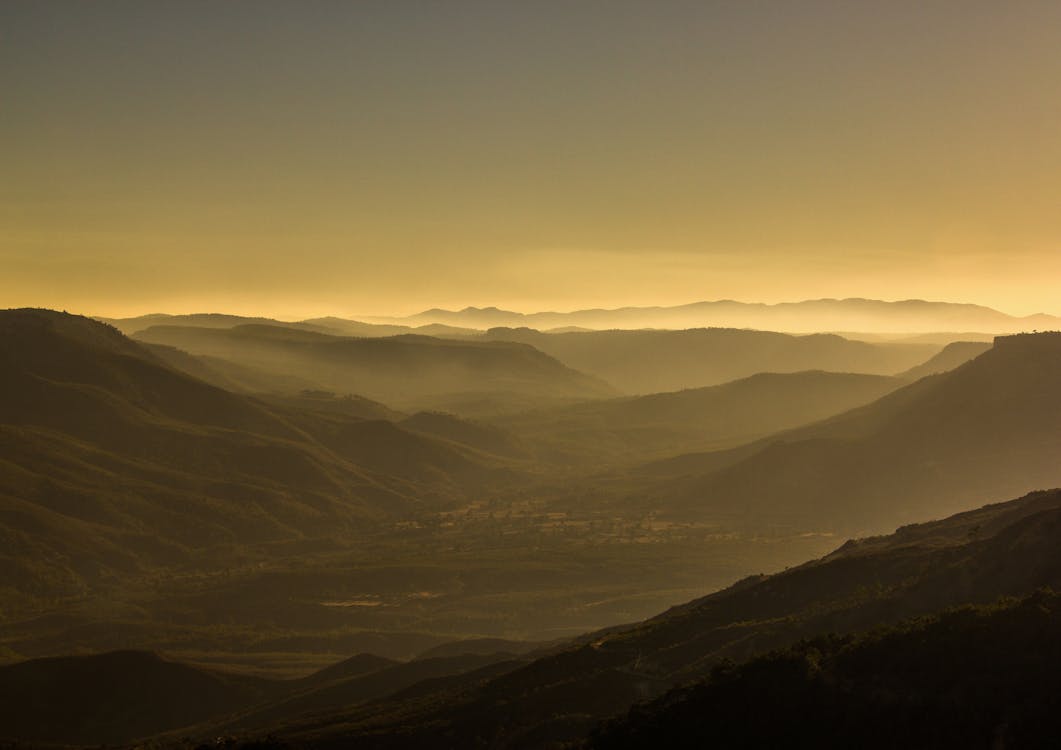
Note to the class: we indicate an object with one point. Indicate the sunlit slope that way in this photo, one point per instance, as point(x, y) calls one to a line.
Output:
point(650, 361)
point(398, 370)
point(661, 423)
point(990, 427)
point(112, 462)
point(952, 355)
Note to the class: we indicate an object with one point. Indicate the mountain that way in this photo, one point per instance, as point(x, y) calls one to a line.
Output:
point(854, 314)
point(113, 465)
point(406, 371)
point(656, 361)
point(990, 427)
point(984, 676)
point(954, 354)
point(345, 327)
point(130, 326)
point(1004, 549)
point(113, 698)
point(721, 415)
point(478, 435)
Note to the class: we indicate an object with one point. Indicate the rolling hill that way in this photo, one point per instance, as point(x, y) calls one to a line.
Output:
point(642, 362)
point(990, 427)
point(952, 355)
point(408, 372)
point(113, 463)
point(637, 428)
point(1005, 549)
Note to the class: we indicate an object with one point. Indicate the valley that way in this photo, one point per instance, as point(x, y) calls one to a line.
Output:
point(272, 525)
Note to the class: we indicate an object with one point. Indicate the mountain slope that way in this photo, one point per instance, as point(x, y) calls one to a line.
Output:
point(1006, 549)
point(665, 423)
point(656, 361)
point(990, 427)
point(953, 354)
point(112, 698)
point(399, 370)
point(112, 463)
point(973, 677)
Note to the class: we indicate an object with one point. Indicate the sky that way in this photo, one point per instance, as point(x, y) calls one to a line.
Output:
point(309, 158)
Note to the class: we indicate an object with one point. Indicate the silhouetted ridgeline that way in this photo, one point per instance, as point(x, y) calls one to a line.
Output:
point(851, 314)
point(987, 677)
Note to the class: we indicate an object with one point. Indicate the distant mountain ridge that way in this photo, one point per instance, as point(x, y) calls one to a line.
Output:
point(852, 314)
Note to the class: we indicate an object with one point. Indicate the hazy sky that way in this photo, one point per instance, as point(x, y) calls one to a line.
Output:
point(296, 158)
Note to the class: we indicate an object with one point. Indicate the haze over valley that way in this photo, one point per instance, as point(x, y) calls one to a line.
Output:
point(529, 376)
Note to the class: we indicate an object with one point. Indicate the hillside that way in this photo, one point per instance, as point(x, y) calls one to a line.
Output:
point(953, 354)
point(988, 428)
point(113, 698)
point(114, 464)
point(972, 677)
point(408, 372)
point(637, 428)
point(1006, 549)
point(655, 361)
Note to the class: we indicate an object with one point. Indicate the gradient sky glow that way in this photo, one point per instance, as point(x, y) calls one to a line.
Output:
point(303, 158)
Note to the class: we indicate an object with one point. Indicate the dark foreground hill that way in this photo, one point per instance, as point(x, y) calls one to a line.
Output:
point(651, 361)
point(113, 698)
point(1007, 549)
point(406, 371)
point(502, 701)
point(984, 677)
point(989, 428)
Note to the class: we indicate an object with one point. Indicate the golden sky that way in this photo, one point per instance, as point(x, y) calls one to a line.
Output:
point(296, 159)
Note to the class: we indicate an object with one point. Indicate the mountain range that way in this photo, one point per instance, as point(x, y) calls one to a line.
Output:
point(853, 314)
point(232, 483)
